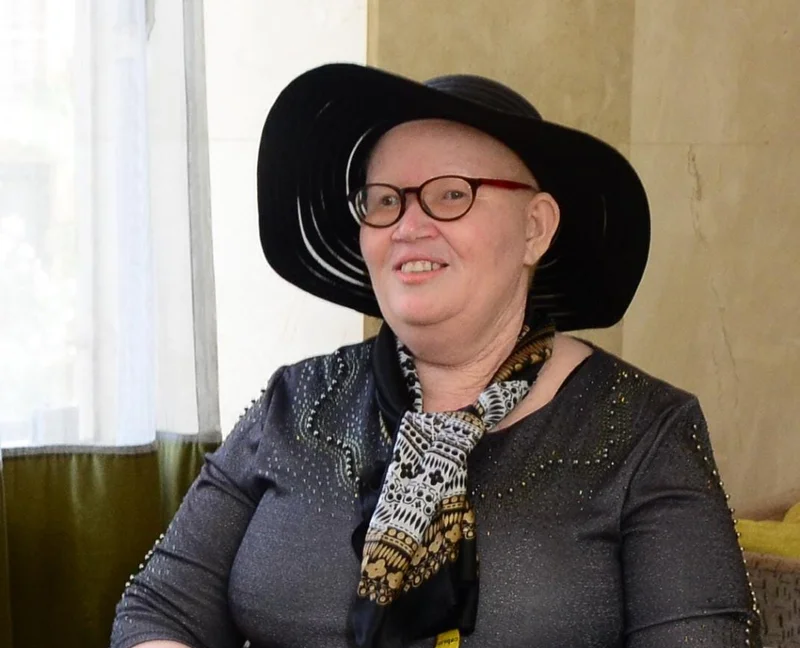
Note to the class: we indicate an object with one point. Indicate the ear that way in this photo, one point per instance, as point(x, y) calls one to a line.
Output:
point(543, 217)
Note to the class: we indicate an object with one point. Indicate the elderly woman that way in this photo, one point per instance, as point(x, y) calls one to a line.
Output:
point(350, 506)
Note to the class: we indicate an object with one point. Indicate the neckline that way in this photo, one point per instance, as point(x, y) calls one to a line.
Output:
point(575, 378)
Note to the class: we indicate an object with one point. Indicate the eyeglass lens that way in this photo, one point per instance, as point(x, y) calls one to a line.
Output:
point(445, 198)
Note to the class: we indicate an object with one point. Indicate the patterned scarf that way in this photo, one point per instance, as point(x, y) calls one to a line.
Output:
point(421, 535)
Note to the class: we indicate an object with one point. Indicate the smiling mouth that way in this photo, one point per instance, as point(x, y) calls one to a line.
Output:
point(420, 266)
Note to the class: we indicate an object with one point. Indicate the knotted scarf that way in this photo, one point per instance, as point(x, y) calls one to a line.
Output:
point(417, 539)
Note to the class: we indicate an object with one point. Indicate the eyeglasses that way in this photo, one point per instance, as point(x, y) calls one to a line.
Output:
point(443, 198)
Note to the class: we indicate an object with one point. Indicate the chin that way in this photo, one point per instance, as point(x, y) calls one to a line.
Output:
point(416, 312)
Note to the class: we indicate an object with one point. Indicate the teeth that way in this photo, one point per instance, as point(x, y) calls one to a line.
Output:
point(419, 266)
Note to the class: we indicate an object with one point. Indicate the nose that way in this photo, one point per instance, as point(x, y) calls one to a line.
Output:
point(414, 223)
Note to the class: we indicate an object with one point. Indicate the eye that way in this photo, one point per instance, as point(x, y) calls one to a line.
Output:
point(388, 200)
point(449, 192)
point(454, 194)
point(377, 198)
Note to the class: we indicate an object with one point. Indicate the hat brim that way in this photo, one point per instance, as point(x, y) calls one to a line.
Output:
point(313, 147)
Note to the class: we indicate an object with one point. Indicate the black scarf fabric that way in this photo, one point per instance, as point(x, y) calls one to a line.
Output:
point(417, 537)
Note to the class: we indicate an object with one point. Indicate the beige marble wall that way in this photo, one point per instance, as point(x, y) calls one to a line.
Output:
point(715, 107)
point(703, 96)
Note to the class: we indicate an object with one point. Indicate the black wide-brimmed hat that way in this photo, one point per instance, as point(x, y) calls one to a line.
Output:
point(314, 149)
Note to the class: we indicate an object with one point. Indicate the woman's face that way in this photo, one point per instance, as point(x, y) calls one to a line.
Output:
point(484, 258)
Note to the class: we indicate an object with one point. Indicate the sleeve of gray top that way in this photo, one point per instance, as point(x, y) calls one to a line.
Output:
point(181, 594)
point(684, 576)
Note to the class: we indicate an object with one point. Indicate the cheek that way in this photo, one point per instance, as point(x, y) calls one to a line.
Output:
point(372, 246)
point(490, 249)
point(366, 252)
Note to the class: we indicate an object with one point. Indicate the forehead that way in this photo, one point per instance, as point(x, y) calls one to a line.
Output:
point(443, 141)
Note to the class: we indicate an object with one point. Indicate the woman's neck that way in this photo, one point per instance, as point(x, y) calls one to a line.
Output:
point(452, 374)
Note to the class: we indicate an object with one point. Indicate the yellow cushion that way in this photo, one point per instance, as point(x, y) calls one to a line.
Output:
point(793, 514)
point(772, 537)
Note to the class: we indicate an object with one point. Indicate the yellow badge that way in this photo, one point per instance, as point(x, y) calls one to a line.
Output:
point(449, 639)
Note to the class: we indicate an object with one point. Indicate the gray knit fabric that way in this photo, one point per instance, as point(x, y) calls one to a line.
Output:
point(601, 522)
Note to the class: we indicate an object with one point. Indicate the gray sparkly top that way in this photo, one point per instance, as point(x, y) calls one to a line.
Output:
point(601, 522)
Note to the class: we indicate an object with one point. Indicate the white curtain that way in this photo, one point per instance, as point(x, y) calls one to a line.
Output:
point(107, 332)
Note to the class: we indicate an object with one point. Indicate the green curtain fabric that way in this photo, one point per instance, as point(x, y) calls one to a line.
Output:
point(78, 523)
point(5, 591)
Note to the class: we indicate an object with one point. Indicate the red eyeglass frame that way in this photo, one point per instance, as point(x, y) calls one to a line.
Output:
point(474, 184)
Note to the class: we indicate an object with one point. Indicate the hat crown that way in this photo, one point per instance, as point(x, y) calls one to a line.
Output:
point(485, 92)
